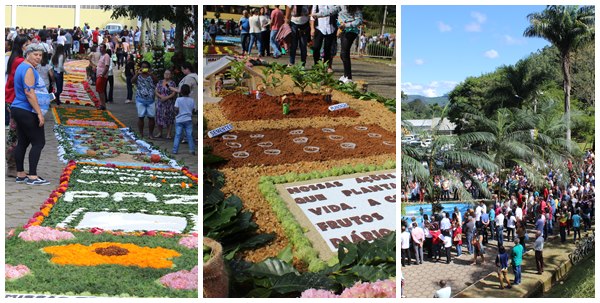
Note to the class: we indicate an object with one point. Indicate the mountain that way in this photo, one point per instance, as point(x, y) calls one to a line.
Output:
point(441, 101)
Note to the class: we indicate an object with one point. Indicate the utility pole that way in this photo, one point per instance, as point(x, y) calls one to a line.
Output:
point(384, 17)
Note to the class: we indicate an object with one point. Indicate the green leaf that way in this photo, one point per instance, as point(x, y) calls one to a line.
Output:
point(271, 267)
point(347, 254)
point(223, 218)
point(286, 254)
point(294, 283)
point(257, 240)
point(259, 293)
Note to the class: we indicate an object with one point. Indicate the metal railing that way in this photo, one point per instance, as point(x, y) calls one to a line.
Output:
point(379, 41)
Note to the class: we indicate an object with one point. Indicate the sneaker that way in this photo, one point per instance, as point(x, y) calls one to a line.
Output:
point(21, 180)
point(343, 79)
point(348, 81)
point(38, 181)
point(128, 101)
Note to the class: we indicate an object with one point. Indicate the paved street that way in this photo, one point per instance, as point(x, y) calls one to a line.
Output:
point(22, 201)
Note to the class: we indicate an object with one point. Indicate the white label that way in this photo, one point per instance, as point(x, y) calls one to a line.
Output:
point(349, 210)
point(338, 106)
point(129, 222)
point(220, 130)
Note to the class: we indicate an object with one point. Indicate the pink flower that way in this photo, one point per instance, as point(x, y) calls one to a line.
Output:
point(378, 289)
point(182, 279)
point(190, 241)
point(42, 233)
point(318, 293)
point(10, 233)
point(96, 230)
point(15, 272)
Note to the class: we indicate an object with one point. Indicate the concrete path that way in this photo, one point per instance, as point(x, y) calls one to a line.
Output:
point(22, 201)
point(481, 281)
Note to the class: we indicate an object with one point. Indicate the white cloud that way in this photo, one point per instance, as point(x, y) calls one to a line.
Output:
point(443, 27)
point(492, 53)
point(510, 40)
point(479, 17)
point(433, 89)
point(473, 27)
point(419, 61)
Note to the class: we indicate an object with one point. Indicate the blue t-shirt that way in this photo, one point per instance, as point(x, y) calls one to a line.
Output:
point(20, 86)
point(186, 106)
point(245, 23)
point(492, 215)
point(576, 220)
point(485, 218)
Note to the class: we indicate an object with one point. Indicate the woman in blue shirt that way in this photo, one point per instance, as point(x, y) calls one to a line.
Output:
point(245, 32)
point(28, 116)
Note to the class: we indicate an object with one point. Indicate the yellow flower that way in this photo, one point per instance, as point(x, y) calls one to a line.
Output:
point(125, 254)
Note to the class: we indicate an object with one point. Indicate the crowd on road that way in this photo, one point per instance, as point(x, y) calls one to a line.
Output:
point(276, 32)
point(564, 205)
point(35, 68)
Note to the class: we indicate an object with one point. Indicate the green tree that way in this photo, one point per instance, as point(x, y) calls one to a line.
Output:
point(567, 28)
point(184, 17)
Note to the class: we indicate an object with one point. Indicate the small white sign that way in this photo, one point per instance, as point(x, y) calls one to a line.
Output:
point(129, 222)
point(220, 130)
point(338, 106)
point(361, 208)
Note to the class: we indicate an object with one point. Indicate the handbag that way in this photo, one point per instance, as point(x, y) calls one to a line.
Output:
point(458, 237)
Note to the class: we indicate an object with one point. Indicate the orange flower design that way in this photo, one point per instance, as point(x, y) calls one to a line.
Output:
point(125, 254)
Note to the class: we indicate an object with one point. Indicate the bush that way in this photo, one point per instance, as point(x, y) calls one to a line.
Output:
point(374, 49)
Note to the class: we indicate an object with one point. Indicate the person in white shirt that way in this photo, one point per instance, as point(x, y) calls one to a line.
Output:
point(510, 226)
point(445, 223)
point(519, 213)
point(405, 246)
point(478, 211)
point(265, 21)
point(499, 221)
point(444, 291)
point(323, 25)
point(255, 30)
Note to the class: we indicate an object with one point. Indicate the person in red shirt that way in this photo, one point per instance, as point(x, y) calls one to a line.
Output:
point(436, 242)
point(95, 35)
point(16, 58)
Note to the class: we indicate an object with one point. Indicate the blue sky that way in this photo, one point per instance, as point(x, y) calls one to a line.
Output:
point(443, 45)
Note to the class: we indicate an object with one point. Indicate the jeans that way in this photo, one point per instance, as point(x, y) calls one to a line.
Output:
point(179, 128)
point(76, 46)
point(510, 231)
point(245, 38)
point(58, 78)
point(500, 233)
point(264, 39)
point(300, 37)
point(347, 40)
point(563, 234)
point(418, 253)
point(129, 88)
point(274, 45)
point(492, 228)
point(405, 256)
point(576, 231)
point(469, 244)
point(68, 50)
point(255, 38)
point(517, 271)
point(458, 250)
point(324, 41)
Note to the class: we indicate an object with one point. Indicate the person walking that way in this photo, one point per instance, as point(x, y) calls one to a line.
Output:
point(102, 76)
point(129, 73)
point(184, 106)
point(517, 260)
point(58, 62)
point(349, 19)
point(26, 112)
point(277, 21)
point(539, 256)
point(562, 224)
point(502, 265)
point(469, 231)
point(418, 237)
point(245, 32)
point(255, 30)
point(500, 228)
point(576, 224)
point(447, 241)
point(165, 108)
point(110, 79)
point(478, 246)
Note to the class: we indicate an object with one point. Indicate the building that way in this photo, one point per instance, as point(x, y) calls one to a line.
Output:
point(445, 127)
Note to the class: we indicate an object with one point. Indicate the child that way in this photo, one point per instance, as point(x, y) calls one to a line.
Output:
point(184, 106)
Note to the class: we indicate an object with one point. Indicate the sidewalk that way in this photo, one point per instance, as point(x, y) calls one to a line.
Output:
point(22, 201)
point(481, 281)
point(380, 77)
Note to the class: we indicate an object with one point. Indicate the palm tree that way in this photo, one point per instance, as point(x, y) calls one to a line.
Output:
point(567, 28)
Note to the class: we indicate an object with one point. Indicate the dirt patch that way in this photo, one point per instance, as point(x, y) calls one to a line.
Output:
point(240, 107)
point(276, 146)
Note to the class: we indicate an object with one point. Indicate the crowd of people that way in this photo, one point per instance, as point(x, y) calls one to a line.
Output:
point(35, 66)
point(275, 32)
point(526, 216)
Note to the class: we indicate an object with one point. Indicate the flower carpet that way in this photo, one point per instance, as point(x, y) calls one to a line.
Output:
point(123, 221)
point(300, 176)
point(76, 90)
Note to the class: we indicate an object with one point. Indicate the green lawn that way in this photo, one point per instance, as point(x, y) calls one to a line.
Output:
point(578, 284)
